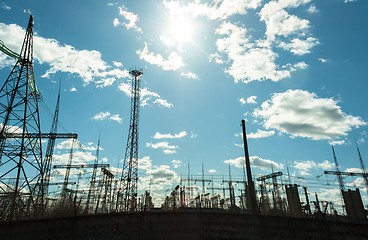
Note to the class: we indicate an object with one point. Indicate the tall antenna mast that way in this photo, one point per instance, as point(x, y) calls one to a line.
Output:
point(129, 179)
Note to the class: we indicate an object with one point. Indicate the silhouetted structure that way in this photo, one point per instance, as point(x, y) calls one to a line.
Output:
point(21, 154)
point(128, 196)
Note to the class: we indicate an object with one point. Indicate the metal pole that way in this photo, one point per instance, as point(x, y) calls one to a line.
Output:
point(252, 201)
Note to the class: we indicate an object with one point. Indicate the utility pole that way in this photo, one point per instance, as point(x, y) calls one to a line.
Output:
point(129, 179)
point(252, 201)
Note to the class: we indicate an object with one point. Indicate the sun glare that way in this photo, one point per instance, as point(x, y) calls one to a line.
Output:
point(181, 28)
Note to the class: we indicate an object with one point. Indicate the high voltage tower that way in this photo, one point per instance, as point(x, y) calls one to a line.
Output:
point(50, 148)
point(24, 174)
point(129, 180)
point(21, 157)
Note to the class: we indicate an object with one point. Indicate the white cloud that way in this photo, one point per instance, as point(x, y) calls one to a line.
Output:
point(312, 9)
point(162, 176)
point(349, 1)
point(189, 75)
point(6, 7)
point(165, 146)
point(304, 167)
point(106, 82)
point(145, 163)
point(156, 178)
point(329, 194)
point(108, 116)
point(216, 58)
point(79, 157)
point(326, 165)
point(163, 103)
point(87, 64)
point(167, 40)
point(147, 96)
point(176, 163)
point(356, 170)
point(90, 147)
point(130, 19)
point(116, 22)
point(322, 60)
point(66, 144)
point(193, 135)
point(242, 101)
point(279, 22)
point(101, 116)
point(265, 163)
point(255, 161)
point(162, 145)
point(5, 61)
point(302, 114)
point(169, 151)
point(358, 182)
point(73, 89)
point(11, 129)
point(212, 171)
point(298, 46)
point(172, 63)
point(116, 118)
point(117, 64)
point(216, 10)
point(337, 142)
point(169, 136)
point(250, 100)
point(261, 134)
point(250, 61)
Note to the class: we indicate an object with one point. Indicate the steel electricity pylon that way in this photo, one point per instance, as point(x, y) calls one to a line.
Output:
point(21, 163)
point(50, 148)
point(127, 195)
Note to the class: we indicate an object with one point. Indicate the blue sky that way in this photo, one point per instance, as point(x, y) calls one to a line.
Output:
point(294, 69)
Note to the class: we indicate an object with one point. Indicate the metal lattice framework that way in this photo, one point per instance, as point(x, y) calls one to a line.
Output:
point(339, 177)
point(21, 164)
point(129, 179)
point(50, 148)
point(92, 188)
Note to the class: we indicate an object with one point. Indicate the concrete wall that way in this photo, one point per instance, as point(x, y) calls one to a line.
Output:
point(182, 225)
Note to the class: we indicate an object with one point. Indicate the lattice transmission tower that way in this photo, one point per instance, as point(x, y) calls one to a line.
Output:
point(50, 149)
point(21, 164)
point(129, 178)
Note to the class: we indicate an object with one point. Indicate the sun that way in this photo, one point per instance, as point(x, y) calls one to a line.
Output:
point(181, 28)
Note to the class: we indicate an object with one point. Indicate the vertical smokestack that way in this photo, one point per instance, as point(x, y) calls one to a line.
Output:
point(252, 202)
